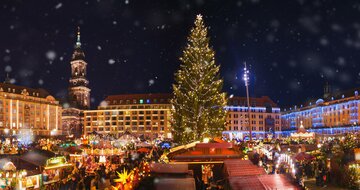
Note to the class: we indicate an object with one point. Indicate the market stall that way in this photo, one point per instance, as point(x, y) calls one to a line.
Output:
point(27, 182)
point(56, 169)
point(126, 139)
point(19, 179)
point(301, 133)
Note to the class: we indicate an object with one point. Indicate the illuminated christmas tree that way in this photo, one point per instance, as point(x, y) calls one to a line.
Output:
point(198, 101)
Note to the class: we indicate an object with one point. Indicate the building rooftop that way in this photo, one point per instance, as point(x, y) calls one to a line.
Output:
point(138, 99)
point(15, 89)
point(263, 101)
point(333, 98)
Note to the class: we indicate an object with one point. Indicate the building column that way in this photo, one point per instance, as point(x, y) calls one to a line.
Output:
point(11, 121)
point(48, 118)
point(17, 114)
point(56, 117)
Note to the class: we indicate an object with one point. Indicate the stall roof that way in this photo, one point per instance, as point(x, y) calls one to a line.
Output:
point(169, 168)
point(237, 167)
point(205, 152)
point(214, 145)
point(261, 182)
point(175, 184)
point(37, 157)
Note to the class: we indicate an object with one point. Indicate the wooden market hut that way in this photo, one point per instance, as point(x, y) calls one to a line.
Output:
point(205, 152)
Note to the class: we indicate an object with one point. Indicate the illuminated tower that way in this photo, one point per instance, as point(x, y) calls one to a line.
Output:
point(79, 93)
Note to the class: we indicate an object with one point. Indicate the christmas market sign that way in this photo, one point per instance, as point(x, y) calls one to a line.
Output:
point(56, 162)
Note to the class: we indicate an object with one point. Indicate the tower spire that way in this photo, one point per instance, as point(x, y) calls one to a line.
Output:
point(78, 43)
point(7, 79)
point(78, 53)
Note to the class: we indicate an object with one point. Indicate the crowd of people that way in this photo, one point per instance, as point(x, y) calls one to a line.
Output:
point(93, 173)
point(316, 166)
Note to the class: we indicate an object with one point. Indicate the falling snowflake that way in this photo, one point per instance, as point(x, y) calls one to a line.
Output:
point(25, 73)
point(275, 23)
point(137, 23)
point(231, 96)
point(58, 6)
point(341, 61)
point(51, 55)
point(41, 82)
point(8, 68)
point(324, 41)
point(103, 104)
point(295, 85)
point(126, 2)
point(270, 38)
point(336, 27)
point(12, 81)
point(111, 61)
point(114, 22)
point(151, 82)
point(99, 47)
point(328, 72)
point(345, 78)
point(239, 3)
point(7, 51)
point(66, 105)
point(61, 58)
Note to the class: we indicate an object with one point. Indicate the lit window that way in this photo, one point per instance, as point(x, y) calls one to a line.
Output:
point(141, 101)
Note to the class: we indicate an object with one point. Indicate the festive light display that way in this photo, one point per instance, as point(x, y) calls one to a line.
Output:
point(129, 180)
point(198, 101)
point(333, 113)
point(302, 133)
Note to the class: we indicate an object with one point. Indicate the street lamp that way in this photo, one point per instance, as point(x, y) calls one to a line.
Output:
point(246, 80)
point(6, 130)
point(53, 132)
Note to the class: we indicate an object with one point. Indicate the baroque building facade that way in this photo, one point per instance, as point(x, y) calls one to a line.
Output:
point(149, 115)
point(265, 117)
point(336, 112)
point(146, 115)
point(25, 110)
point(78, 93)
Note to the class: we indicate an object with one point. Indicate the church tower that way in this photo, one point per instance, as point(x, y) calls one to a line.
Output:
point(79, 93)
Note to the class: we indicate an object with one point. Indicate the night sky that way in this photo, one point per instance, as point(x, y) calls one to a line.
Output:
point(293, 47)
